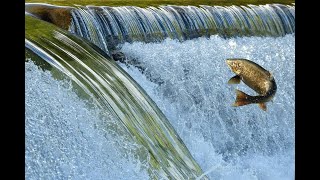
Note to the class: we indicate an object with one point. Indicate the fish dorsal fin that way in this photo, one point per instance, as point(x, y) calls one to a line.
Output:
point(270, 75)
point(263, 106)
point(234, 80)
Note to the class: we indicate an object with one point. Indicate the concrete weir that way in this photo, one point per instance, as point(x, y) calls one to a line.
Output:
point(57, 15)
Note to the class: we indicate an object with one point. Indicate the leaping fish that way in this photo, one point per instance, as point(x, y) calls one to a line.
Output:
point(254, 76)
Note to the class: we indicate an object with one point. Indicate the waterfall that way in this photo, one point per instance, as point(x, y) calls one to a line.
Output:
point(165, 110)
point(188, 82)
point(109, 26)
point(98, 78)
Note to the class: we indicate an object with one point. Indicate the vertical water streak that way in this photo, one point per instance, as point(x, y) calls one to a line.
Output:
point(114, 25)
point(188, 81)
point(95, 32)
point(112, 89)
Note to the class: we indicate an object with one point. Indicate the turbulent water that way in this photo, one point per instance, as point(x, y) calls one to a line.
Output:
point(66, 138)
point(188, 82)
point(119, 133)
point(96, 77)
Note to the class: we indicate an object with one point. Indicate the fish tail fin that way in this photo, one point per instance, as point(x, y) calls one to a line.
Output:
point(242, 98)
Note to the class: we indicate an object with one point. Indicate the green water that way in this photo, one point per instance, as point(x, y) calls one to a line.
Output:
point(97, 77)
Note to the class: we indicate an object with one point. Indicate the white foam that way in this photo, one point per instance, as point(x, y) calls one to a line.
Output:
point(68, 139)
point(191, 89)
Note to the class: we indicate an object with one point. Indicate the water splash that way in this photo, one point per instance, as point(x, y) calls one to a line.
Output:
point(68, 138)
point(189, 84)
point(98, 78)
point(108, 26)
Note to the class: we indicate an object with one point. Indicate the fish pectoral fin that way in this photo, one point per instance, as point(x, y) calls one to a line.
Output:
point(241, 99)
point(263, 106)
point(234, 80)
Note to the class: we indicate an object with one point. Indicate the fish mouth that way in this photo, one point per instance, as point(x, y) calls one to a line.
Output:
point(233, 65)
point(229, 62)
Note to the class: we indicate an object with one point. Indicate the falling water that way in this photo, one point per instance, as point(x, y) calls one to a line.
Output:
point(67, 139)
point(188, 82)
point(109, 26)
point(185, 78)
point(99, 79)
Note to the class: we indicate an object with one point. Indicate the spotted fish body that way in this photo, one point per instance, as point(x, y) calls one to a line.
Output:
point(254, 76)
